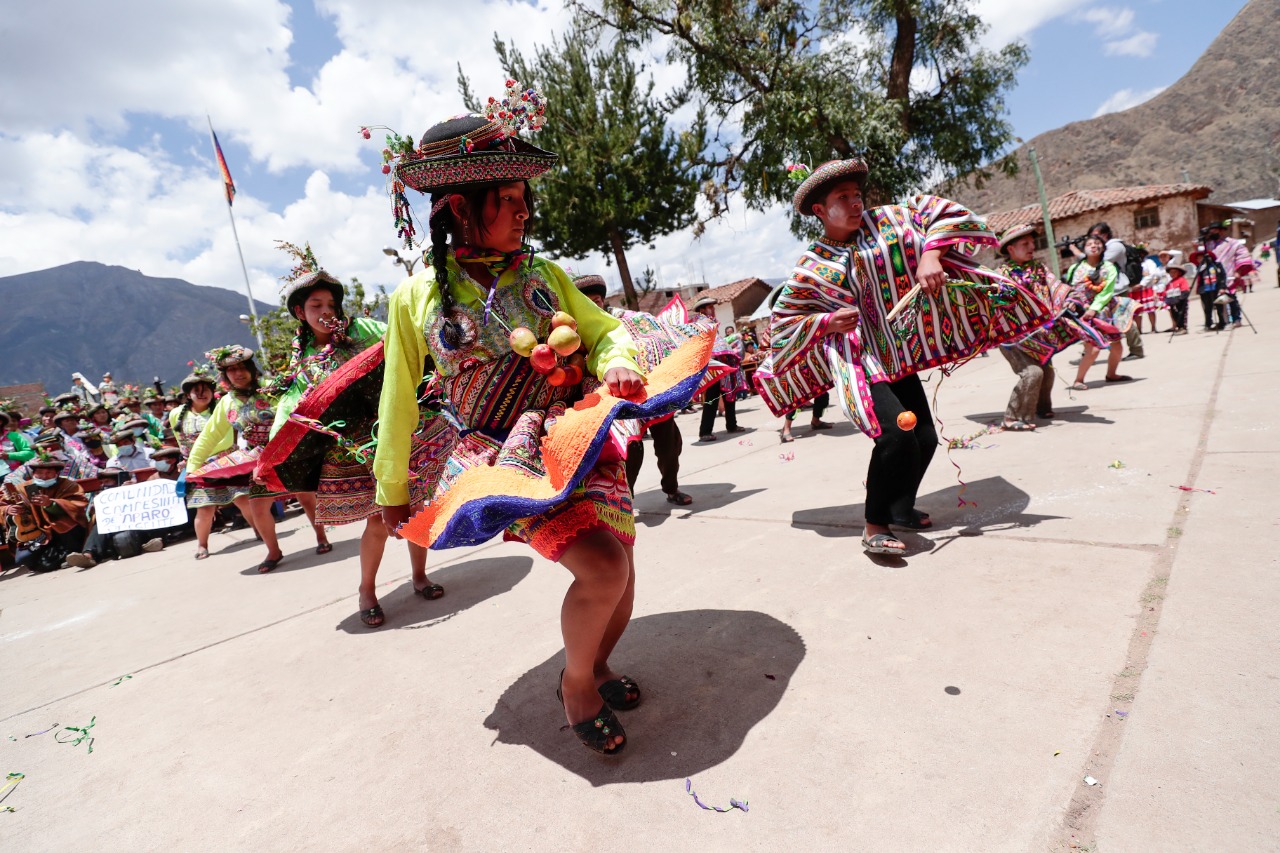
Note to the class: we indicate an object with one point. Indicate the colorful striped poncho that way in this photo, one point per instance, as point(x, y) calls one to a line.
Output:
point(871, 274)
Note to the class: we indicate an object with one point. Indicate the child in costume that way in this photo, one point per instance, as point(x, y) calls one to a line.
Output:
point(529, 463)
point(226, 451)
point(1092, 281)
point(830, 326)
point(1031, 357)
point(326, 340)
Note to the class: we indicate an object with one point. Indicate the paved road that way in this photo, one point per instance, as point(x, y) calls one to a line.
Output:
point(1080, 620)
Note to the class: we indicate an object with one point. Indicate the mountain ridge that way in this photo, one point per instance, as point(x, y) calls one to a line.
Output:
point(1220, 122)
point(91, 317)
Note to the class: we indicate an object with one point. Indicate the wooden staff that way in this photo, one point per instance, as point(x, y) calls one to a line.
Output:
point(904, 302)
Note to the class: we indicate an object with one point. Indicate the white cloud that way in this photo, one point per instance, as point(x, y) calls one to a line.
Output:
point(1115, 26)
point(1141, 44)
point(1017, 19)
point(1125, 99)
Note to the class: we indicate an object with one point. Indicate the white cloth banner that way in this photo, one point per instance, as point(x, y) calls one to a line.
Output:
point(152, 505)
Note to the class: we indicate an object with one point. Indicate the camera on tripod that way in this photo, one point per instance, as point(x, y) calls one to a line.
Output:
point(1064, 246)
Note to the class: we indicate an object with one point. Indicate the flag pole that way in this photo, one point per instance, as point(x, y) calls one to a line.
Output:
point(248, 293)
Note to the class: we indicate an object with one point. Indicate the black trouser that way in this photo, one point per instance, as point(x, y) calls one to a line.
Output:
point(50, 557)
point(108, 546)
point(1179, 311)
point(820, 404)
point(900, 457)
point(1206, 300)
point(710, 407)
point(667, 443)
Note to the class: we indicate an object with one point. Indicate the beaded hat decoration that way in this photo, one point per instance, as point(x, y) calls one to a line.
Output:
point(305, 274)
point(813, 183)
point(466, 151)
point(1017, 232)
point(224, 357)
point(592, 285)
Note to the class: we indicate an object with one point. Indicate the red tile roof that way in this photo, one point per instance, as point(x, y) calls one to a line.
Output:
point(729, 292)
point(1084, 201)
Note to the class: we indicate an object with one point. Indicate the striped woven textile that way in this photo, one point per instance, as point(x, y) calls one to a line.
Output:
point(871, 274)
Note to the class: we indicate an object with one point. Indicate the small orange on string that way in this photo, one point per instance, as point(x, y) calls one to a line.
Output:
point(907, 421)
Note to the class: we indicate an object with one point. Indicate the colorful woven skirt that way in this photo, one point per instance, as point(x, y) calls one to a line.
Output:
point(557, 474)
point(1068, 329)
point(327, 447)
point(202, 496)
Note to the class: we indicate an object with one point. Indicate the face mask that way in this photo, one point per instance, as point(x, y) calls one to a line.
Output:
point(44, 484)
point(138, 431)
point(125, 450)
point(162, 465)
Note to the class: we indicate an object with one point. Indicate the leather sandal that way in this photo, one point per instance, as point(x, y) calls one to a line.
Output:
point(621, 694)
point(430, 592)
point(268, 564)
point(679, 499)
point(373, 617)
point(595, 733)
point(876, 545)
point(324, 547)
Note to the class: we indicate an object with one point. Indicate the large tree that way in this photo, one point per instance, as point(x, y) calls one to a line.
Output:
point(623, 178)
point(904, 83)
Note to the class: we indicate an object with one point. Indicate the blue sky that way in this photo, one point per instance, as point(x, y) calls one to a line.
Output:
point(105, 155)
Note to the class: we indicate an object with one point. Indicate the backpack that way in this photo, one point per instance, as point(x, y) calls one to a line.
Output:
point(1133, 258)
point(1211, 275)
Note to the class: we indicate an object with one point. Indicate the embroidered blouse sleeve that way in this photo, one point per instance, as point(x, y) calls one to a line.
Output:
point(608, 343)
point(1109, 273)
point(412, 303)
point(217, 435)
point(948, 225)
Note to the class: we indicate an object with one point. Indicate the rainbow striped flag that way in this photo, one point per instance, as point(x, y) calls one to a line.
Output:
point(228, 184)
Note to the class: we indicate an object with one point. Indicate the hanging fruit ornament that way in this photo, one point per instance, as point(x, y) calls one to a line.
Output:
point(542, 359)
point(907, 421)
point(558, 376)
point(523, 341)
point(564, 340)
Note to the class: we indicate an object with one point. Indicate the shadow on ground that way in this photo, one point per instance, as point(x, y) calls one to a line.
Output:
point(655, 510)
point(704, 678)
point(465, 585)
point(1070, 414)
point(999, 502)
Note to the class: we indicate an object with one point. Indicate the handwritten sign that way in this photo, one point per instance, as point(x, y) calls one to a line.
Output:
point(152, 505)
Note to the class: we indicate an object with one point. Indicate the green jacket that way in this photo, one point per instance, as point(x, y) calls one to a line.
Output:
point(22, 449)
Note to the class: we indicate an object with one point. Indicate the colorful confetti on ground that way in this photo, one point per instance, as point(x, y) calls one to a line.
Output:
point(83, 734)
point(121, 679)
point(11, 782)
point(733, 804)
point(1194, 489)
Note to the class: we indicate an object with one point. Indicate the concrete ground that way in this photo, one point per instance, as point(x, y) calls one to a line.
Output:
point(1078, 620)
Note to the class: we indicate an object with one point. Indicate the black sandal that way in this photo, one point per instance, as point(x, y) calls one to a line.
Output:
point(621, 694)
point(919, 521)
point(267, 565)
point(679, 499)
point(595, 733)
point(373, 617)
point(324, 547)
point(430, 592)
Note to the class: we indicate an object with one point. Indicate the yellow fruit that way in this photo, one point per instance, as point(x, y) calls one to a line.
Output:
point(562, 318)
point(523, 341)
point(564, 340)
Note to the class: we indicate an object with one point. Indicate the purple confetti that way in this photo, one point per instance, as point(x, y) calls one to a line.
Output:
point(733, 804)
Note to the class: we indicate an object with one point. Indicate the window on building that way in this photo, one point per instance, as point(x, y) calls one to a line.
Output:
point(1042, 242)
point(1146, 217)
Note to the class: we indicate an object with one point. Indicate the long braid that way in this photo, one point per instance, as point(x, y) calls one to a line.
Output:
point(441, 224)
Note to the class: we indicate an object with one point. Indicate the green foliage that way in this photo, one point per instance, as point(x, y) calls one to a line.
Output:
point(903, 83)
point(623, 178)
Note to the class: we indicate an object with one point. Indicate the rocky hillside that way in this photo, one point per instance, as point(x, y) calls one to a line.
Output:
point(89, 317)
point(1220, 122)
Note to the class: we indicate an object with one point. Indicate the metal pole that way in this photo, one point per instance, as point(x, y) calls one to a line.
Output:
point(248, 293)
point(1044, 212)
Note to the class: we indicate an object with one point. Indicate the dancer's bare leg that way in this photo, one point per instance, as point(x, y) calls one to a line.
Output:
point(308, 502)
point(260, 513)
point(601, 578)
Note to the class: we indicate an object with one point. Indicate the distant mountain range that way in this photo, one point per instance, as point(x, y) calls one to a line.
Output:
point(1220, 123)
point(91, 318)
